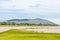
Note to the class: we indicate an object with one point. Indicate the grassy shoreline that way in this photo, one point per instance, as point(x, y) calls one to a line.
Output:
point(24, 35)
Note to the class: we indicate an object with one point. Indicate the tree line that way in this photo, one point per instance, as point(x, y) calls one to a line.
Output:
point(27, 24)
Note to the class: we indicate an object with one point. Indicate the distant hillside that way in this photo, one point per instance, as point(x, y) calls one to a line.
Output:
point(31, 21)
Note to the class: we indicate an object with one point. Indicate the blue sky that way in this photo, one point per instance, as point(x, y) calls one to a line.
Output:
point(45, 9)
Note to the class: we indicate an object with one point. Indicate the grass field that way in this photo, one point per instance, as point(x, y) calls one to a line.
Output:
point(28, 35)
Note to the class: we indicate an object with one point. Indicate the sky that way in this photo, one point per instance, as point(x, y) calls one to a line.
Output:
point(45, 9)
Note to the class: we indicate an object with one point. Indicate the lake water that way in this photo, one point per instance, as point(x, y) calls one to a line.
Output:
point(53, 29)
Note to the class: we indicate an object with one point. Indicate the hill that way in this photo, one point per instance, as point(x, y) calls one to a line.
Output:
point(32, 21)
point(36, 21)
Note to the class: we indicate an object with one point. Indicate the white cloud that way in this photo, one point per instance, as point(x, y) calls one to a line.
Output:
point(26, 3)
point(4, 0)
point(47, 6)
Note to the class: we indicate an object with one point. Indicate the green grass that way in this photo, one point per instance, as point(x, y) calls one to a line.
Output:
point(26, 35)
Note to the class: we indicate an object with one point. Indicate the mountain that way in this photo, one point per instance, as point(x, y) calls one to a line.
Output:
point(31, 21)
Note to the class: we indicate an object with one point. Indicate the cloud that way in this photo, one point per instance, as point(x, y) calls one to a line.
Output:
point(11, 10)
point(4, 0)
point(35, 5)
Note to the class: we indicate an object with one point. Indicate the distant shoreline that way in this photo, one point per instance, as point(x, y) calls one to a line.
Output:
point(26, 25)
